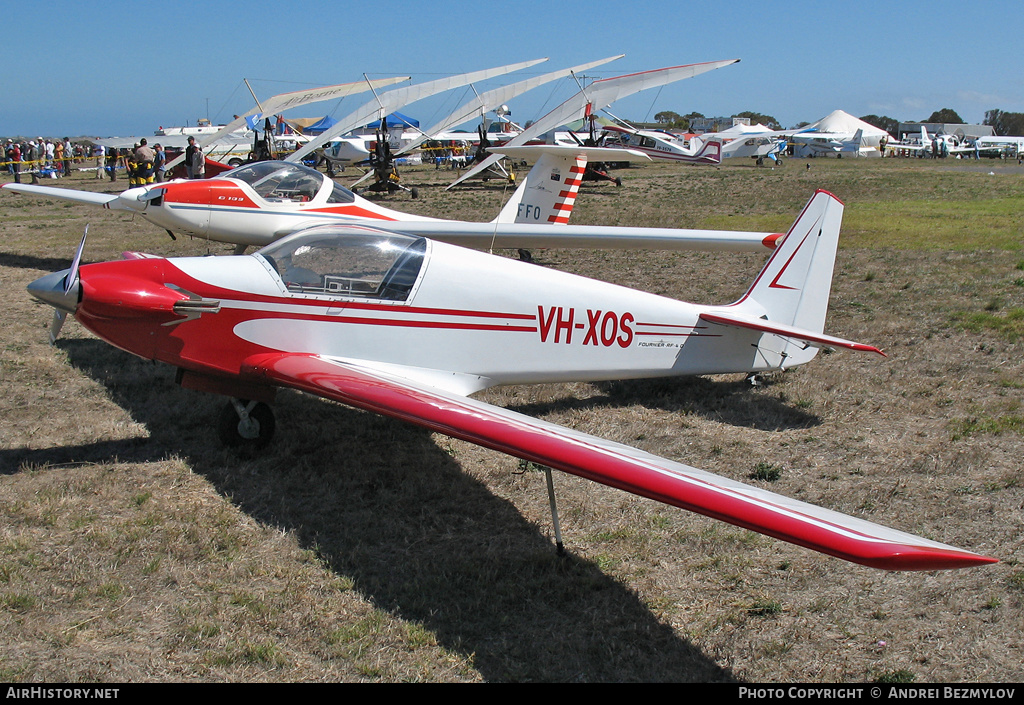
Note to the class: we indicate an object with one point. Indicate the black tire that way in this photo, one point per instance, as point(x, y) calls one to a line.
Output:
point(415, 192)
point(254, 434)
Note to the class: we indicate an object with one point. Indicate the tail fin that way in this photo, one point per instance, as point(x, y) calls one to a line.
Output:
point(548, 193)
point(789, 298)
point(709, 153)
point(794, 286)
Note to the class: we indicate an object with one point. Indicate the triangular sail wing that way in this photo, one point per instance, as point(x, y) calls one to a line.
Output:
point(598, 96)
point(294, 99)
point(393, 100)
point(485, 102)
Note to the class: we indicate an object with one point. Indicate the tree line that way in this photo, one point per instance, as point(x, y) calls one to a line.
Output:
point(1003, 123)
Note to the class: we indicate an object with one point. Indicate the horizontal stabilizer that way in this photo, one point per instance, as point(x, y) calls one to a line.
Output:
point(817, 340)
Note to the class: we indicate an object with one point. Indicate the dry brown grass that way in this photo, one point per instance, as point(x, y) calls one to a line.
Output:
point(135, 548)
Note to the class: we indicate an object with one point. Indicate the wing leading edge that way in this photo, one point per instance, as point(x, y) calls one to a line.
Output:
point(609, 463)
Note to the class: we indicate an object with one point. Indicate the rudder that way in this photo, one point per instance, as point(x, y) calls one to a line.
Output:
point(793, 288)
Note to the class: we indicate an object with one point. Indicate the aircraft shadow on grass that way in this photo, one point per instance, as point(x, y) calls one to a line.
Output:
point(385, 504)
point(44, 264)
point(726, 401)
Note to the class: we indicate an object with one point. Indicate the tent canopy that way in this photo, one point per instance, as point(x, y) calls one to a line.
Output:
point(396, 119)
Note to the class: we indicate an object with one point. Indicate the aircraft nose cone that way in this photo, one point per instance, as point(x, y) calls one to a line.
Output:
point(134, 199)
point(51, 290)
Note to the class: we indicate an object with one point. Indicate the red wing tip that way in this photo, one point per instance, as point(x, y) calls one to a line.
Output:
point(868, 348)
point(772, 241)
point(919, 559)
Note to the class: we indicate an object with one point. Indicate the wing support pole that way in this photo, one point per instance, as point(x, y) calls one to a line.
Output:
point(559, 546)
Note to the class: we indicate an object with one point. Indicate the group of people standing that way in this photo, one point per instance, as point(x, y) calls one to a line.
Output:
point(40, 155)
point(145, 164)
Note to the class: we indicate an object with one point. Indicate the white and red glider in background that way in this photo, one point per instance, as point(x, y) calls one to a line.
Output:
point(259, 203)
point(409, 327)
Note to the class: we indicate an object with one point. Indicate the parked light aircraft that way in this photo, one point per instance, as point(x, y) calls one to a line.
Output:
point(663, 145)
point(409, 328)
point(938, 145)
point(388, 102)
point(751, 141)
point(258, 203)
point(821, 144)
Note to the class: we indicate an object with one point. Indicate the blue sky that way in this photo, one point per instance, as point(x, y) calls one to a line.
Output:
point(126, 68)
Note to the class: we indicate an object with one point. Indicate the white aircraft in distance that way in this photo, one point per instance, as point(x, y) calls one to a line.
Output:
point(751, 141)
point(597, 96)
point(759, 148)
point(408, 327)
point(261, 202)
point(932, 145)
point(663, 145)
point(824, 144)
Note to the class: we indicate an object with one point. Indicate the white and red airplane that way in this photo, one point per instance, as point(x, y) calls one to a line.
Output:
point(259, 203)
point(409, 327)
point(663, 145)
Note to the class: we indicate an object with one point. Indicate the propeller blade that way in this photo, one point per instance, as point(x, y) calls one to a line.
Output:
point(72, 277)
point(58, 323)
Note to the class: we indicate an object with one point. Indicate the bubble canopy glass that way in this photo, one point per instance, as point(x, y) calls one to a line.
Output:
point(348, 261)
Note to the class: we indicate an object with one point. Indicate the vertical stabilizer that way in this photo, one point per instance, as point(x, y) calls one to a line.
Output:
point(794, 286)
point(548, 193)
point(710, 152)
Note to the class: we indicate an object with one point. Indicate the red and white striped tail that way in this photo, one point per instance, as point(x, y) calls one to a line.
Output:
point(562, 208)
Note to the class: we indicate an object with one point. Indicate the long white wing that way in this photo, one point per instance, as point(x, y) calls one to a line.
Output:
point(533, 235)
point(66, 194)
point(284, 101)
point(390, 101)
point(485, 102)
point(598, 96)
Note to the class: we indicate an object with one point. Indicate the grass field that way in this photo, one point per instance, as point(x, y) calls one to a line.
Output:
point(356, 548)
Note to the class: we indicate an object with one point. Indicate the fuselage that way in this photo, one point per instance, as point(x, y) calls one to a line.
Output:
point(254, 205)
point(661, 145)
point(466, 320)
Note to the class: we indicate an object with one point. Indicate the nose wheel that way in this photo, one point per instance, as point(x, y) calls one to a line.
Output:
point(245, 423)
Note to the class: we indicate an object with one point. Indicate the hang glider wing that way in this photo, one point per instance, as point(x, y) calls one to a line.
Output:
point(421, 402)
point(481, 104)
point(285, 101)
point(389, 102)
point(599, 95)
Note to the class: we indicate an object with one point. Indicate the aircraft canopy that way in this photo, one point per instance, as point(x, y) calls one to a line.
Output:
point(348, 261)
